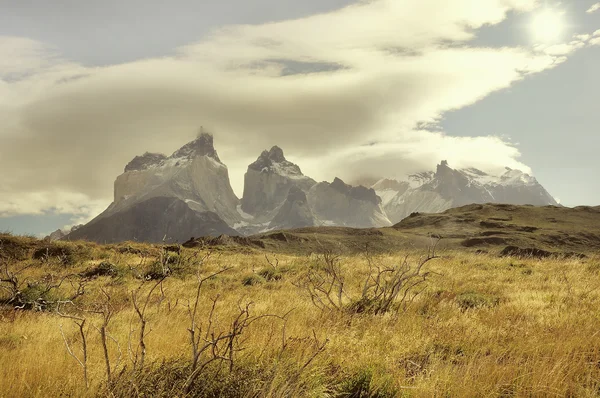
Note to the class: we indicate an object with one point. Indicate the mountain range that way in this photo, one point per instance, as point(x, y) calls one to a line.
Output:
point(188, 194)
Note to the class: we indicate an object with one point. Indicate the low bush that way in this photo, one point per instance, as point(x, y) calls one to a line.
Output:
point(252, 279)
point(472, 300)
point(270, 274)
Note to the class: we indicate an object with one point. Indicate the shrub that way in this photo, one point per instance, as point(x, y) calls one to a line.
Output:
point(157, 270)
point(471, 300)
point(65, 253)
point(103, 269)
point(252, 279)
point(15, 247)
point(360, 385)
point(270, 274)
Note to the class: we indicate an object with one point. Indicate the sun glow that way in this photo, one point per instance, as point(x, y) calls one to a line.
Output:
point(548, 25)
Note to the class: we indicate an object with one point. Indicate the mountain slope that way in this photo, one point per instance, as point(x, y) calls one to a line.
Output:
point(344, 205)
point(159, 219)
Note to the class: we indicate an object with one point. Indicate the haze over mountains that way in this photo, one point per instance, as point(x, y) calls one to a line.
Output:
point(172, 198)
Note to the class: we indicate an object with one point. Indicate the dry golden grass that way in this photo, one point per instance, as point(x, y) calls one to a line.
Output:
point(484, 326)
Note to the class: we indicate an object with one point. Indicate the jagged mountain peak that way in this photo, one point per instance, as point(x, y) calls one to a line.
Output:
point(145, 161)
point(203, 145)
point(274, 161)
point(276, 154)
point(340, 185)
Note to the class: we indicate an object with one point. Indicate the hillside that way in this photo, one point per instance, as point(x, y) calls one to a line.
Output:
point(548, 227)
point(490, 227)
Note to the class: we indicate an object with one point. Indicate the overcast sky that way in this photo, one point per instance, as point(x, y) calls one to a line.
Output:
point(378, 88)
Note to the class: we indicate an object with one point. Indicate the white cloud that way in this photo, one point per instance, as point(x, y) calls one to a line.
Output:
point(54, 201)
point(594, 8)
point(68, 130)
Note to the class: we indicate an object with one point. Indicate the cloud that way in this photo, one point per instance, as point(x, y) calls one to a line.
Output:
point(594, 8)
point(81, 206)
point(322, 87)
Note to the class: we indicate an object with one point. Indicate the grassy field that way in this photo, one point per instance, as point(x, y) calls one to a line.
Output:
point(474, 325)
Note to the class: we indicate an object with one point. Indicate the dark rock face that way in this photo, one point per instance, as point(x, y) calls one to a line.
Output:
point(201, 146)
point(294, 213)
point(358, 193)
point(145, 161)
point(159, 219)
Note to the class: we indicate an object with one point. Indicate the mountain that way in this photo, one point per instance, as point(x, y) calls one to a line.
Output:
point(268, 182)
point(340, 204)
point(158, 219)
point(61, 234)
point(158, 196)
point(434, 192)
point(194, 174)
point(56, 235)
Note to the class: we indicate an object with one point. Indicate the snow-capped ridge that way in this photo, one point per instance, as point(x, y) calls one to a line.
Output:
point(448, 187)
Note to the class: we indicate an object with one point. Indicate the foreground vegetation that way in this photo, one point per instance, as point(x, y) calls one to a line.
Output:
point(79, 319)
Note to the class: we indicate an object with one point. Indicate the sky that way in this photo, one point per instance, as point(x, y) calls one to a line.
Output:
point(354, 89)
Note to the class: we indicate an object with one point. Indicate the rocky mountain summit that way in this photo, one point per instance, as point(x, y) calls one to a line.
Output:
point(268, 181)
point(171, 198)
